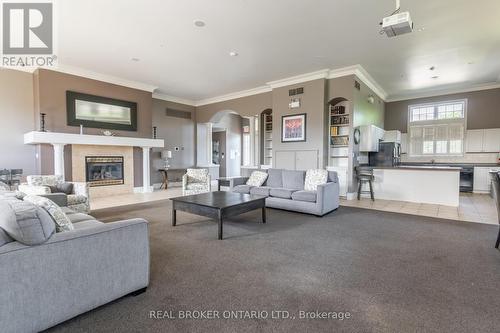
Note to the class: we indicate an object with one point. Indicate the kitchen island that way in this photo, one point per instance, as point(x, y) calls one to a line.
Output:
point(423, 184)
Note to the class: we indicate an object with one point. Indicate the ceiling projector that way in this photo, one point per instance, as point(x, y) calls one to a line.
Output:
point(397, 24)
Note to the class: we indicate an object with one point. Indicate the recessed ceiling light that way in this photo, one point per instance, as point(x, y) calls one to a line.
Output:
point(233, 54)
point(199, 23)
point(435, 77)
point(135, 59)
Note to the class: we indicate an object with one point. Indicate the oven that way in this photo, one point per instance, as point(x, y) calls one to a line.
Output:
point(466, 179)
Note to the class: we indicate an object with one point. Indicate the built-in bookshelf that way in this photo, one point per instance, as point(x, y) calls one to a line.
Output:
point(268, 139)
point(340, 130)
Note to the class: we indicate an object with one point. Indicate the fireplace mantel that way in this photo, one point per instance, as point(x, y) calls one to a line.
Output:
point(84, 139)
point(59, 140)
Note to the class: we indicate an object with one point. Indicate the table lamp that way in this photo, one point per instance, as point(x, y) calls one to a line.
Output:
point(166, 155)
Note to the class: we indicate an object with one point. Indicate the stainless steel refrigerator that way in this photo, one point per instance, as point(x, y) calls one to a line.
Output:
point(389, 154)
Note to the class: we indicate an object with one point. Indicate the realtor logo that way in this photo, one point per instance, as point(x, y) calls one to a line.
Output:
point(27, 30)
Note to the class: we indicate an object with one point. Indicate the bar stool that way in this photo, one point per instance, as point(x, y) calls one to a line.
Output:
point(365, 175)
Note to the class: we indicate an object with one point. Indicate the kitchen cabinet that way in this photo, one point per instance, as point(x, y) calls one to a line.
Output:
point(482, 179)
point(392, 136)
point(491, 140)
point(369, 138)
point(483, 141)
point(404, 143)
point(474, 141)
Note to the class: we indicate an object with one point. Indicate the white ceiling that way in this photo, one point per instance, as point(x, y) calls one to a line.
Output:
point(276, 39)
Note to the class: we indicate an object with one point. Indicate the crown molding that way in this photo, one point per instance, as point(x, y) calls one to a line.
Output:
point(342, 71)
point(174, 99)
point(321, 74)
point(235, 95)
point(100, 77)
point(441, 92)
point(361, 74)
point(367, 79)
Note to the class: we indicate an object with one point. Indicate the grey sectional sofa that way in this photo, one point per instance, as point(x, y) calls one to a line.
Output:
point(285, 190)
point(70, 273)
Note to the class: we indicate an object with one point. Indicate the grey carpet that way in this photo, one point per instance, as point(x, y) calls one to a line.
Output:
point(392, 272)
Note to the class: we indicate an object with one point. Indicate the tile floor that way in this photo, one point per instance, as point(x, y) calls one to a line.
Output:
point(473, 207)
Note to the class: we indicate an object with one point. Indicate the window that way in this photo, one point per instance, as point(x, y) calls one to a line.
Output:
point(437, 129)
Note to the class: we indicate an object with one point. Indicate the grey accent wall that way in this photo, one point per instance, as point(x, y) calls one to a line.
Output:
point(314, 105)
point(16, 118)
point(177, 132)
point(483, 109)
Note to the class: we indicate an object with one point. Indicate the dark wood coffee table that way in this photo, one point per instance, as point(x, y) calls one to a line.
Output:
point(218, 205)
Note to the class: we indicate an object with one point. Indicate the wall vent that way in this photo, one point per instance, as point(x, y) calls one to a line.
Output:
point(178, 114)
point(357, 85)
point(296, 91)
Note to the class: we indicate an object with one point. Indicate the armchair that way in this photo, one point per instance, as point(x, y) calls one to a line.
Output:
point(78, 200)
point(196, 181)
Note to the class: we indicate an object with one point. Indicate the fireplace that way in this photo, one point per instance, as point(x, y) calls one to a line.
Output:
point(104, 170)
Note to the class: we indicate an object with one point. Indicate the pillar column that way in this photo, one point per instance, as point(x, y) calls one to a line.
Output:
point(59, 159)
point(146, 171)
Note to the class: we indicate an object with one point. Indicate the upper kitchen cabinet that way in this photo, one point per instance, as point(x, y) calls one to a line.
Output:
point(483, 141)
point(491, 140)
point(370, 137)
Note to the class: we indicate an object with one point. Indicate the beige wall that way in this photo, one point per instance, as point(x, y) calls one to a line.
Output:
point(16, 118)
point(244, 106)
point(483, 109)
point(50, 90)
point(314, 105)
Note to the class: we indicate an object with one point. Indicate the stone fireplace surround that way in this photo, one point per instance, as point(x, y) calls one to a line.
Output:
point(78, 156)
point(98, 145)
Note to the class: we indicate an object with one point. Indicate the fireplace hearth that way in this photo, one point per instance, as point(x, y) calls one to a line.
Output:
point(104, 170)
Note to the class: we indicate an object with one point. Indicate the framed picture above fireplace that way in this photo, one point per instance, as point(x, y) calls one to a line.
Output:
point(100, 112)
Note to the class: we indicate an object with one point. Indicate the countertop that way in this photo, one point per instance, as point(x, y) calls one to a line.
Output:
point(419, 167)
point(454, 164)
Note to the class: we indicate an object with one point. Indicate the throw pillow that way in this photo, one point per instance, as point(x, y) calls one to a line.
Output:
point(66, 188)
point(25, 222)
point(63, 223)
point(4, 187)
point(315, 177)
point(257, 178)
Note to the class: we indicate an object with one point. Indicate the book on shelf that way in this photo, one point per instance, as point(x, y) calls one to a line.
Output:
point(339, 141)
point(344, 120)
point(338, 110)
